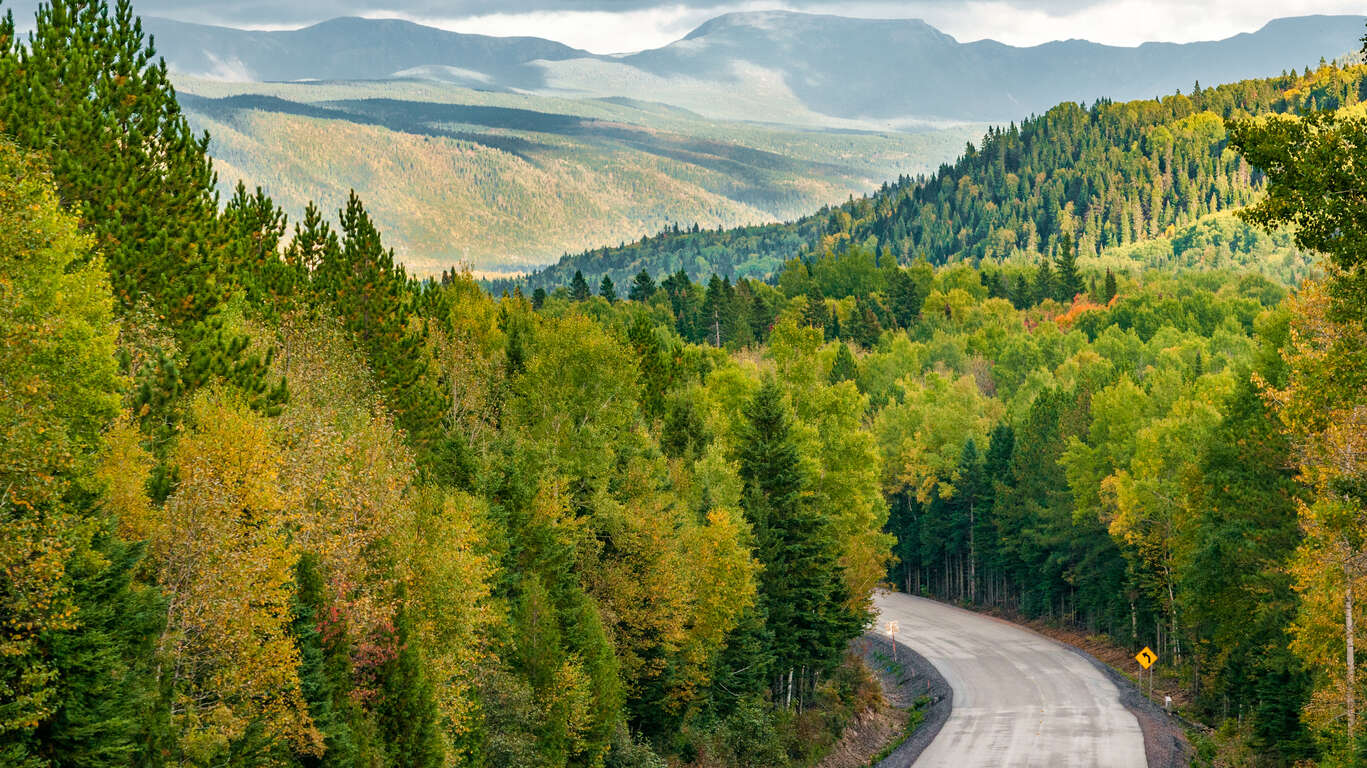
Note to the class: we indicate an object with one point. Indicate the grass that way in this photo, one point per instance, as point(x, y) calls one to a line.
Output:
point(916, 715)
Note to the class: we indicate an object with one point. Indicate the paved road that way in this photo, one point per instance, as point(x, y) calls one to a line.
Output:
point(1020, 699)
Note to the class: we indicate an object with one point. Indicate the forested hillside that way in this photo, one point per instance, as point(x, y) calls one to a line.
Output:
point(1109, 176)
point(594, 170)
point(269, 501)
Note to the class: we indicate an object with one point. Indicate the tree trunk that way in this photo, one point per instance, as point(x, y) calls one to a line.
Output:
point(972, 557)
point(1352, 664)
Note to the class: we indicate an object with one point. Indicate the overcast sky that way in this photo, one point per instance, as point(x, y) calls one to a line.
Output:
point(610, 26)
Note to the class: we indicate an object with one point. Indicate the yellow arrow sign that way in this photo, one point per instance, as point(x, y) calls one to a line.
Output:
point(1146, 658)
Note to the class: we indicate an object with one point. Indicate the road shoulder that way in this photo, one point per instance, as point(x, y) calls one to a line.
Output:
point(910, 678)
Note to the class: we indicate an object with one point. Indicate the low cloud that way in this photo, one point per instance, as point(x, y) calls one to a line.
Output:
point(611, 26)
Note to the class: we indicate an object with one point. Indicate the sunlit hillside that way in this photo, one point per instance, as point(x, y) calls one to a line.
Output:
point(503, 182)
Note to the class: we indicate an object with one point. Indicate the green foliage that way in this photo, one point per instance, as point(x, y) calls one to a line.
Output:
point(1107, 176)
point(83, 82)
point(801, 590)
point(77, 637)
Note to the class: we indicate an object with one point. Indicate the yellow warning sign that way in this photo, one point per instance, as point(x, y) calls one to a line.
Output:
point(1146, 658)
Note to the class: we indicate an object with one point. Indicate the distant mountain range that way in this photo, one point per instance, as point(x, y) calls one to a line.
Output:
point(771, 66)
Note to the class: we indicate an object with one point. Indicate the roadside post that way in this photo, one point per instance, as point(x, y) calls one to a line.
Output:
point(892, 627)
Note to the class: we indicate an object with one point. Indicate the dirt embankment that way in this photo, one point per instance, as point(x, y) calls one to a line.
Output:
point(914, 693)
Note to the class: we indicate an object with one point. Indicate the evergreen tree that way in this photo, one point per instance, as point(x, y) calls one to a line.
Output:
point(371, 295)
point(642, 287)
point(844, 367)
point(579, 287)
point(1045, 287)
point(802, 591)
point(864, 326)
point(1111, 289)
point(1022, 295)
point(607, 290)
point(715, 311)
point(253, 258)
point(905, 297)
point(406, 714)
point(1067, 278)
point(77, 637)
point(538, 298)
point(313, 242)
point(84, 83)
point(816, 315)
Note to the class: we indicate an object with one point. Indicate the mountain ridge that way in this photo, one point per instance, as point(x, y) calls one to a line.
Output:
point(791, 68)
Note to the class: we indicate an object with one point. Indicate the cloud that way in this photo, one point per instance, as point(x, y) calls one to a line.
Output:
point(610, 26)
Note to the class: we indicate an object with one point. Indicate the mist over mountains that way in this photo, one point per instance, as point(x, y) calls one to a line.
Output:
point(781, 67)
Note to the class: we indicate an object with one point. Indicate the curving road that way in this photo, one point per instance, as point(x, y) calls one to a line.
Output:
point(1020, 699)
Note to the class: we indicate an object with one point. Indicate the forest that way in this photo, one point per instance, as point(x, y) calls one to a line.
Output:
point(1109, 176)
point(269, 500)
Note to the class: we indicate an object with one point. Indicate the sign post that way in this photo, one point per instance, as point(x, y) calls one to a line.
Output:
point(1146, 659)
point(892, 627)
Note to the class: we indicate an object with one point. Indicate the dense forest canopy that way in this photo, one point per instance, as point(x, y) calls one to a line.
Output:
point(268, 501)
point(1107, 176)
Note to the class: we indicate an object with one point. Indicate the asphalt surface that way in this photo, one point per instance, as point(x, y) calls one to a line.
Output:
point(1020, 699)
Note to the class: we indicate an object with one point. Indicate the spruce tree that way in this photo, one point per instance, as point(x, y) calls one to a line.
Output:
point(538, 297)
point(802, 591)
point(579, 287)
point(642, 287)
point(607, 290)
point(1067, 278)
point(1111, 289)
point(844, 367)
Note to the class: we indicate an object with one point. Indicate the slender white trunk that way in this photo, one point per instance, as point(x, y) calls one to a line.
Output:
point(1352, 664)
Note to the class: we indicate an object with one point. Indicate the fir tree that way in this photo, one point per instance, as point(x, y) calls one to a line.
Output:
point(642, 287)
point(844, 367)
point(1067, 278)
point(538, 298)
point(579, 287)
point(607, 290)
point(1111, 289)
point(801, 589)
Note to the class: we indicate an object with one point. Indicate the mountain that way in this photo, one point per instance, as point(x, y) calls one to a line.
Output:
point(1110, 179)
point(898, 69)
point(508, 182)
point(354, 49)
point(771, 66)
point(751, 119)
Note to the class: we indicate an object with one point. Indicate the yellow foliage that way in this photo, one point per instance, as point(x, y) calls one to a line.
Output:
point(225, 560)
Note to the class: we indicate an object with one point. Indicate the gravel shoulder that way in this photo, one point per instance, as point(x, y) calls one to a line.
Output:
point(1165, 740)
point(904, 681)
